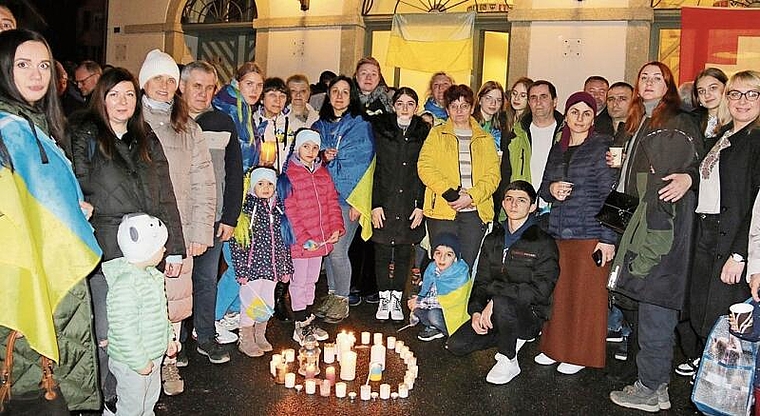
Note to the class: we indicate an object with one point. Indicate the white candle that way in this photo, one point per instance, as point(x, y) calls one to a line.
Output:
point(411, 362)
point(394, 395)
point(324, 388)
point(348, 366)
point(391, 343)
point(409, 381)
point(338, 344)
point(377, 338)
point(377, 355)
point(385, 391)
point(311, 386)
point(290, 355)
point(404, 351)
point(365, 338)
point(329, 354)
point(276, 360)
point(414, 370)
point(290, 380)
point(399, 345)
point(403, 391)
point(340, 389)
point(366, 392)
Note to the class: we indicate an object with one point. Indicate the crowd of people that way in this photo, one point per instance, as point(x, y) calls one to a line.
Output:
point(480, 205)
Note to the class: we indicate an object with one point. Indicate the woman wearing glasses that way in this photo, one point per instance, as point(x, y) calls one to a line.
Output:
point(729, 180)
point(460, 169)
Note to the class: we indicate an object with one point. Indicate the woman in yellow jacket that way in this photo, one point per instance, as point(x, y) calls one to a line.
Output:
point(460, 169)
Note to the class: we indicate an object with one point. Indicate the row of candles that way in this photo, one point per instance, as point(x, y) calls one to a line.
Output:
point(342, 350)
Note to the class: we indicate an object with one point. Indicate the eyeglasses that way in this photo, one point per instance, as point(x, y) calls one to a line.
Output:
point(82, 81)
point(461, 107)
point(751, 95)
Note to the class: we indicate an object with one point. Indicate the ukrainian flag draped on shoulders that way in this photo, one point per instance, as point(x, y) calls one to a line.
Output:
point(230, 101)
point(353, 168)
point(453, 286)
point(47, 245)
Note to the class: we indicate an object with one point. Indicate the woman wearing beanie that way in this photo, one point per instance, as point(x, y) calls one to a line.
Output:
point(576, 182)
point(192, 177)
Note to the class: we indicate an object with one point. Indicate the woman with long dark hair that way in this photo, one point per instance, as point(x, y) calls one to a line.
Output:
point(122, 169)
point(653, 259)
point(48, 248)
point(349, 150)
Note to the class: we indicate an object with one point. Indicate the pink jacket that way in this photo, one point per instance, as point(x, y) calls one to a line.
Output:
point(312, 208)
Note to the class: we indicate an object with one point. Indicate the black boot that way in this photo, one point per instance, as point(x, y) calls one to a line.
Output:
point(281, 311)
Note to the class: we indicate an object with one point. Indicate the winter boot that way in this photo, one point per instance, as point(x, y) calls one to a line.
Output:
point(324, 305)
point(281, 311)
point(338, 311)
point(397, 314)
point(248, 344)
point(384, 308)
point(259, 335)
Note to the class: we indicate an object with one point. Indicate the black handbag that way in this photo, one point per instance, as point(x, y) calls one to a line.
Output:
point(47, 400)
point(617, 211)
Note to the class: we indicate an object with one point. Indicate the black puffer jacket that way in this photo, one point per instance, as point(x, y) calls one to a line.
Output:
point(397, 187)
point(526, 274)
point(122, 185)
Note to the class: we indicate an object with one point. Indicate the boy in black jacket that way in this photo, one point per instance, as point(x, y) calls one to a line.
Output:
point(511, 295)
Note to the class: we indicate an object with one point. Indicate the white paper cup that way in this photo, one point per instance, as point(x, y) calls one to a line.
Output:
point(617, 156)
point(742, 314)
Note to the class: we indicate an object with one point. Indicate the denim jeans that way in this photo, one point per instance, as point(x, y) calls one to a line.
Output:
point(337, 264)
point(227, 289)
point(432, 317)
point(205, 270)
point(615, 321)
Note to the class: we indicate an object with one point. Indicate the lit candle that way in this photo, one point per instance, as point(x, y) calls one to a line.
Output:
point(411, 362)
point(268, 153)
point(365, 338)
point(282, 369)
point(351, 339)
point(340, 390)
point(375, 372)
point(366, 392)
point(276, 360)
point(311, 371)
point(404, 351)
point(329, 353)
point(391, 343)
point(377, 355)
point(403, 391)
point(348, 366)
point(311, 386)
point(414, 370)
point(409, 381)
point(385, 391)
point(377, 338)
point(290, 380)
point(324, 388)
point(290, 355)
point(330, 374)
point(399, 345)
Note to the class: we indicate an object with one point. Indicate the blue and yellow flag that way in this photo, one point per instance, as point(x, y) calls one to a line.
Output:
point(361, 199)
point(47, 245)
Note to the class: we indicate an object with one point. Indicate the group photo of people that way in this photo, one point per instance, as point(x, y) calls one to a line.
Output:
point(169, 216)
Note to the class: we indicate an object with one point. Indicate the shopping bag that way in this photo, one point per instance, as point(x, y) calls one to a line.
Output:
point(257, 297)
point(723, 385)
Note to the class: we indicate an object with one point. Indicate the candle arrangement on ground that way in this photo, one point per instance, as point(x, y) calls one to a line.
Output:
point(350, 370)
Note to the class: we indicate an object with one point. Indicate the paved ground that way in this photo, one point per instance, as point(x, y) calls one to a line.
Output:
point(446, 385)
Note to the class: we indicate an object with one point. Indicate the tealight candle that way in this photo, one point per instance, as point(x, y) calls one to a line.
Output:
point(403, 390)
point(377, 338)
point(366, 391)
point(391, 343)
point(282, 369)
point(299, 387)
point(352, 395)
point(290, 380)
point(348, 366)
point(311, 386)
point(290, 355)
point(385, 391)
point(340, 390)
point(394, 395)
point(373, 395)
point(329, 353)
point(276, 360)
point(330, 374)
point(324, 388)
point(365, 338)
point(399, 345)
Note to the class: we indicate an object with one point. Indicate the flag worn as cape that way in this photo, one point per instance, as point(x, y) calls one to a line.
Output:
point(453, 286)
point(47, 245)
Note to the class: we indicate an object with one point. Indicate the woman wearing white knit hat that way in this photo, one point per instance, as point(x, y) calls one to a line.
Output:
point(192, 177)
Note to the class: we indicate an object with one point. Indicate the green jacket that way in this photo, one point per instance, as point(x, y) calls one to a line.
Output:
point(77, 372)
point(138, 320)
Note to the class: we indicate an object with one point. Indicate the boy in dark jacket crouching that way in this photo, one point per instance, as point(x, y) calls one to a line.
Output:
point(511, 294)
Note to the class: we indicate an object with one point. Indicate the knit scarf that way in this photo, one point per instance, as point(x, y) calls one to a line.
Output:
point(437, 111)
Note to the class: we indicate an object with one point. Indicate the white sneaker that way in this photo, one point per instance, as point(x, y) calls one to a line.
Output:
point(231, 321)
point(504, 370)
point(567, 368)
point(397, 314)
point(519, 345)
point(223, 335)
point(384, 307)
point(543, 359)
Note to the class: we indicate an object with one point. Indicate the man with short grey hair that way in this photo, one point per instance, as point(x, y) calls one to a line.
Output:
point(86, 76)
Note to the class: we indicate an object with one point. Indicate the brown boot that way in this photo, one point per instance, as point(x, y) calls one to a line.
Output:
point(247, 343)
point(259, 334)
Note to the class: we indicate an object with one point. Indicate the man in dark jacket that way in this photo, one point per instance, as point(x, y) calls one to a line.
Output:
point(511, 295)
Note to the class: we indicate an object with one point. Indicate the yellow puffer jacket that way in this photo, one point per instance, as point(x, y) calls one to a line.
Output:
point(438, 167)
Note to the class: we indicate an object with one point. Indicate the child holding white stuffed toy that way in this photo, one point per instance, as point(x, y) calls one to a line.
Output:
point(139, 331)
